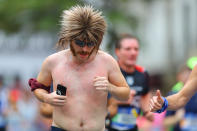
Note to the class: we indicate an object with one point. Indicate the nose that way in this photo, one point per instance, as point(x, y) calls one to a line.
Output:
point(133, 51)
point(85, 48)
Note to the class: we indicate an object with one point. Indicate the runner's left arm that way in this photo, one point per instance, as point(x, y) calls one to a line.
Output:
point(115, 84)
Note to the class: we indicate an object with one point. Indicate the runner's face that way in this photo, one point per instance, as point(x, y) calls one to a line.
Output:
point(82, 52)
point(128, 52)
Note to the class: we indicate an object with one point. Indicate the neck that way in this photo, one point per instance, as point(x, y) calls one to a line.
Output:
point(128, 69)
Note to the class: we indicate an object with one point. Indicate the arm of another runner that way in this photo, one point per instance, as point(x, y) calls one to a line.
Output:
point(179, 100)
point(112, 107)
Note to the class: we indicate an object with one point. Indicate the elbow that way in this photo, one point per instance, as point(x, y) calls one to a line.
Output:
point(126, 95)
point(122, 94)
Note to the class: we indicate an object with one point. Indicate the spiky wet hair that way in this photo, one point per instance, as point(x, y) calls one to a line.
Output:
point(81, 22)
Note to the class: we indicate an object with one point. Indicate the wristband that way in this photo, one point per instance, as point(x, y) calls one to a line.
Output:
point(34, 84)
point(164, 107)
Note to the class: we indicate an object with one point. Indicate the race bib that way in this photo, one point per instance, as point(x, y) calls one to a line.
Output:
point(126, 117)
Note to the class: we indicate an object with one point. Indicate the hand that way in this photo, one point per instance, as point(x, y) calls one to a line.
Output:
point(180, 114)
point(131, 96)
point(149, 116)
point(102, 83)
point(55, 100)
point(156, 102)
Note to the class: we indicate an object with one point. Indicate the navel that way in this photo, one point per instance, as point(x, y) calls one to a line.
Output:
point(81, 124)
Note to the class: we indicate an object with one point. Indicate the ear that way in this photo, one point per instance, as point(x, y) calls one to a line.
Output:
point(117, 52)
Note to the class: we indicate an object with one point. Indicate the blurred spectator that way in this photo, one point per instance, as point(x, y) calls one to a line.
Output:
point(16, 88)
point(23, 112)
point(28, 109)
point(14, 118)
point(3, 104)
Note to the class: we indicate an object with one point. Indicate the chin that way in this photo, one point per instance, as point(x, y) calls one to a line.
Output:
point(130, 64)
point(82, 59)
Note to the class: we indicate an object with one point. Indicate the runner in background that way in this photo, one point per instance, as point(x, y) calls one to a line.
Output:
point(124, 114)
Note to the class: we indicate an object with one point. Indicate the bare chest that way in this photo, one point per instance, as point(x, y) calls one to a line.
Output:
point(78, 79)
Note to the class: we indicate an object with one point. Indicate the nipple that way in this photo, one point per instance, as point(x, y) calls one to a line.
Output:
point(81, 124)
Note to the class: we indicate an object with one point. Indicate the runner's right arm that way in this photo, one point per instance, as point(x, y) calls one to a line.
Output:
point(44, 77)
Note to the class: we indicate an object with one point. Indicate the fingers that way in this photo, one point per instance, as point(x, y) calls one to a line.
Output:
point(101, 83)
point(156, 102)
point(132, 92)
point(57, 100)
point(99, 78)
point(60, 97)
point(159, 98)
point(58, 104)
point(101, 89)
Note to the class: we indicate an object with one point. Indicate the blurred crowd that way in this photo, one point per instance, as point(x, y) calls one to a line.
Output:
point(19, 110)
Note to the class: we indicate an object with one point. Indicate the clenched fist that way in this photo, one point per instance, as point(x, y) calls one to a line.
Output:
point(102, 83)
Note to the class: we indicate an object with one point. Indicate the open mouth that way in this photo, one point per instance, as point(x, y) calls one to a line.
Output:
point(83, 55)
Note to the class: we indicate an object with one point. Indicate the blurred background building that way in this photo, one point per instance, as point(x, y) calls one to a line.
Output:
point(167, 30)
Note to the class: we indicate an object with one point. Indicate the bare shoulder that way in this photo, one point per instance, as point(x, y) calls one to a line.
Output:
point(105, 56)
point(108, 59)
point(54, 58)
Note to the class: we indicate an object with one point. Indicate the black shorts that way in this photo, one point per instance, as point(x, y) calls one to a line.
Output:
point(134, 129)
point(53, 128)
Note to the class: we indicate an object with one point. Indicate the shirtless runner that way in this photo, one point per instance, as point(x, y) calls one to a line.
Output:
point(88, 73)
